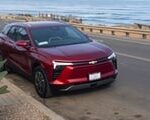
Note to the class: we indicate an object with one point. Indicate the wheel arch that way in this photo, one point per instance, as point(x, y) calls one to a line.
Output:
point(34, 65)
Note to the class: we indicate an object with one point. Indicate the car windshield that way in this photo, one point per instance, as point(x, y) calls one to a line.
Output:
point(57, 36)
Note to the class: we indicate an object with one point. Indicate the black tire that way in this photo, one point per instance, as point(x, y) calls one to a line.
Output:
point(1, 59)
point(41, 83)
point(5, 67)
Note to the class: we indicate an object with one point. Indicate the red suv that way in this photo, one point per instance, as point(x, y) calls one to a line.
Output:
point(56, 55)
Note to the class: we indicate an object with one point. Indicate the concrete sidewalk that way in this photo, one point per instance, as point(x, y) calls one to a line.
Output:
point(16, 105)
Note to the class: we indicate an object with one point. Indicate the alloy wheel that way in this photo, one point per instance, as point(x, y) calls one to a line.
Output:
point(40, 83)
point(2, 68)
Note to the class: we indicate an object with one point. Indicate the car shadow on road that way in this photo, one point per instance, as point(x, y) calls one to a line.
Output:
point(85, 91)
point(27, 86)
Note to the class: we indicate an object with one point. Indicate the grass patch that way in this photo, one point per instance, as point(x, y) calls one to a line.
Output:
point(4, 90)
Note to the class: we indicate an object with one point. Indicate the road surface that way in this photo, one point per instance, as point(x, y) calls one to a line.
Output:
point(127, 99)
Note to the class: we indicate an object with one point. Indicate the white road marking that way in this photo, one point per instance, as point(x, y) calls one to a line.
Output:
point(97, 40)
point(134, 57)
point(101, 41)
point(133, 41)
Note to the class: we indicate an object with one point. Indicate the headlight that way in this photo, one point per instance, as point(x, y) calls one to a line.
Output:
point(56, 63)
point(113, 55)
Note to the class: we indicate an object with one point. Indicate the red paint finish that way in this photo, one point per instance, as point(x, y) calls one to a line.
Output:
point(26, 56)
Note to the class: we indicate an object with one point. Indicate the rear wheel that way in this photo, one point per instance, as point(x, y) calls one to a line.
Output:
point(41, 83)
point(5, 66)
point(1, 59)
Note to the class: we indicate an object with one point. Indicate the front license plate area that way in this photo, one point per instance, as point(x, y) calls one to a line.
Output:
point(94, 76)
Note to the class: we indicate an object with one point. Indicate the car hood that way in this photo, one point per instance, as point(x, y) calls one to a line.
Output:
point(78, 52)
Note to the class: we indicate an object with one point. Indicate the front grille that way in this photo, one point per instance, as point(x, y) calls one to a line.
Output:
point(57, 71)
point(100, 60)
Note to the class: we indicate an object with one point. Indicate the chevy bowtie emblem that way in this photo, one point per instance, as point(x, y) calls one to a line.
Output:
point(93, 62)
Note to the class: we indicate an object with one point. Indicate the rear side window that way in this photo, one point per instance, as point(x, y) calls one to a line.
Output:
point(17, 33)
point(6, 29)
point(12, 33)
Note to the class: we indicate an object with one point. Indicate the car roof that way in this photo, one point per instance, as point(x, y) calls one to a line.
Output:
point(38, 24)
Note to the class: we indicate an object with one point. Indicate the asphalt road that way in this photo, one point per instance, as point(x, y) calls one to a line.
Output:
point(127, 99)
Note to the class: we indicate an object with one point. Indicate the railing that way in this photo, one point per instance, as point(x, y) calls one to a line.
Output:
point(115, 31)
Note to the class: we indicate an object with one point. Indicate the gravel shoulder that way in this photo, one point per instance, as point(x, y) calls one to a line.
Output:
point(16, 105)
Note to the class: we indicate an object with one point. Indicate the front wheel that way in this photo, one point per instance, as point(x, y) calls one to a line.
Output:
point(41, 83)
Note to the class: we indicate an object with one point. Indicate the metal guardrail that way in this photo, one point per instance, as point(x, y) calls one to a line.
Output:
point(115, 31)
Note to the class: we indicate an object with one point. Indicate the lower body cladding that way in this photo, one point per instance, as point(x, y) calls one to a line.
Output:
point(88, 85)
point(85, 76)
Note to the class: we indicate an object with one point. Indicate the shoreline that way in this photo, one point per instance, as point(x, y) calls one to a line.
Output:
point(75, 19)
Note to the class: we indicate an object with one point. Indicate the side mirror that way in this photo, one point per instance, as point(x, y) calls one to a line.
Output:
point(22, 43)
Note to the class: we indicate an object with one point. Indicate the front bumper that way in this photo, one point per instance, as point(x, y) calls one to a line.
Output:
point(88, 85)
point(79, 74)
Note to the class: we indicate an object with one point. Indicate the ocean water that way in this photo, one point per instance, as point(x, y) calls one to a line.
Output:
point(109, 12)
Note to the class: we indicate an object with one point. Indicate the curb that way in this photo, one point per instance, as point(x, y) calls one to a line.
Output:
point(45, 110)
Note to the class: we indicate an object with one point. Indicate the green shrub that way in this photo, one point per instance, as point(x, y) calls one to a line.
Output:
point(3, 89)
